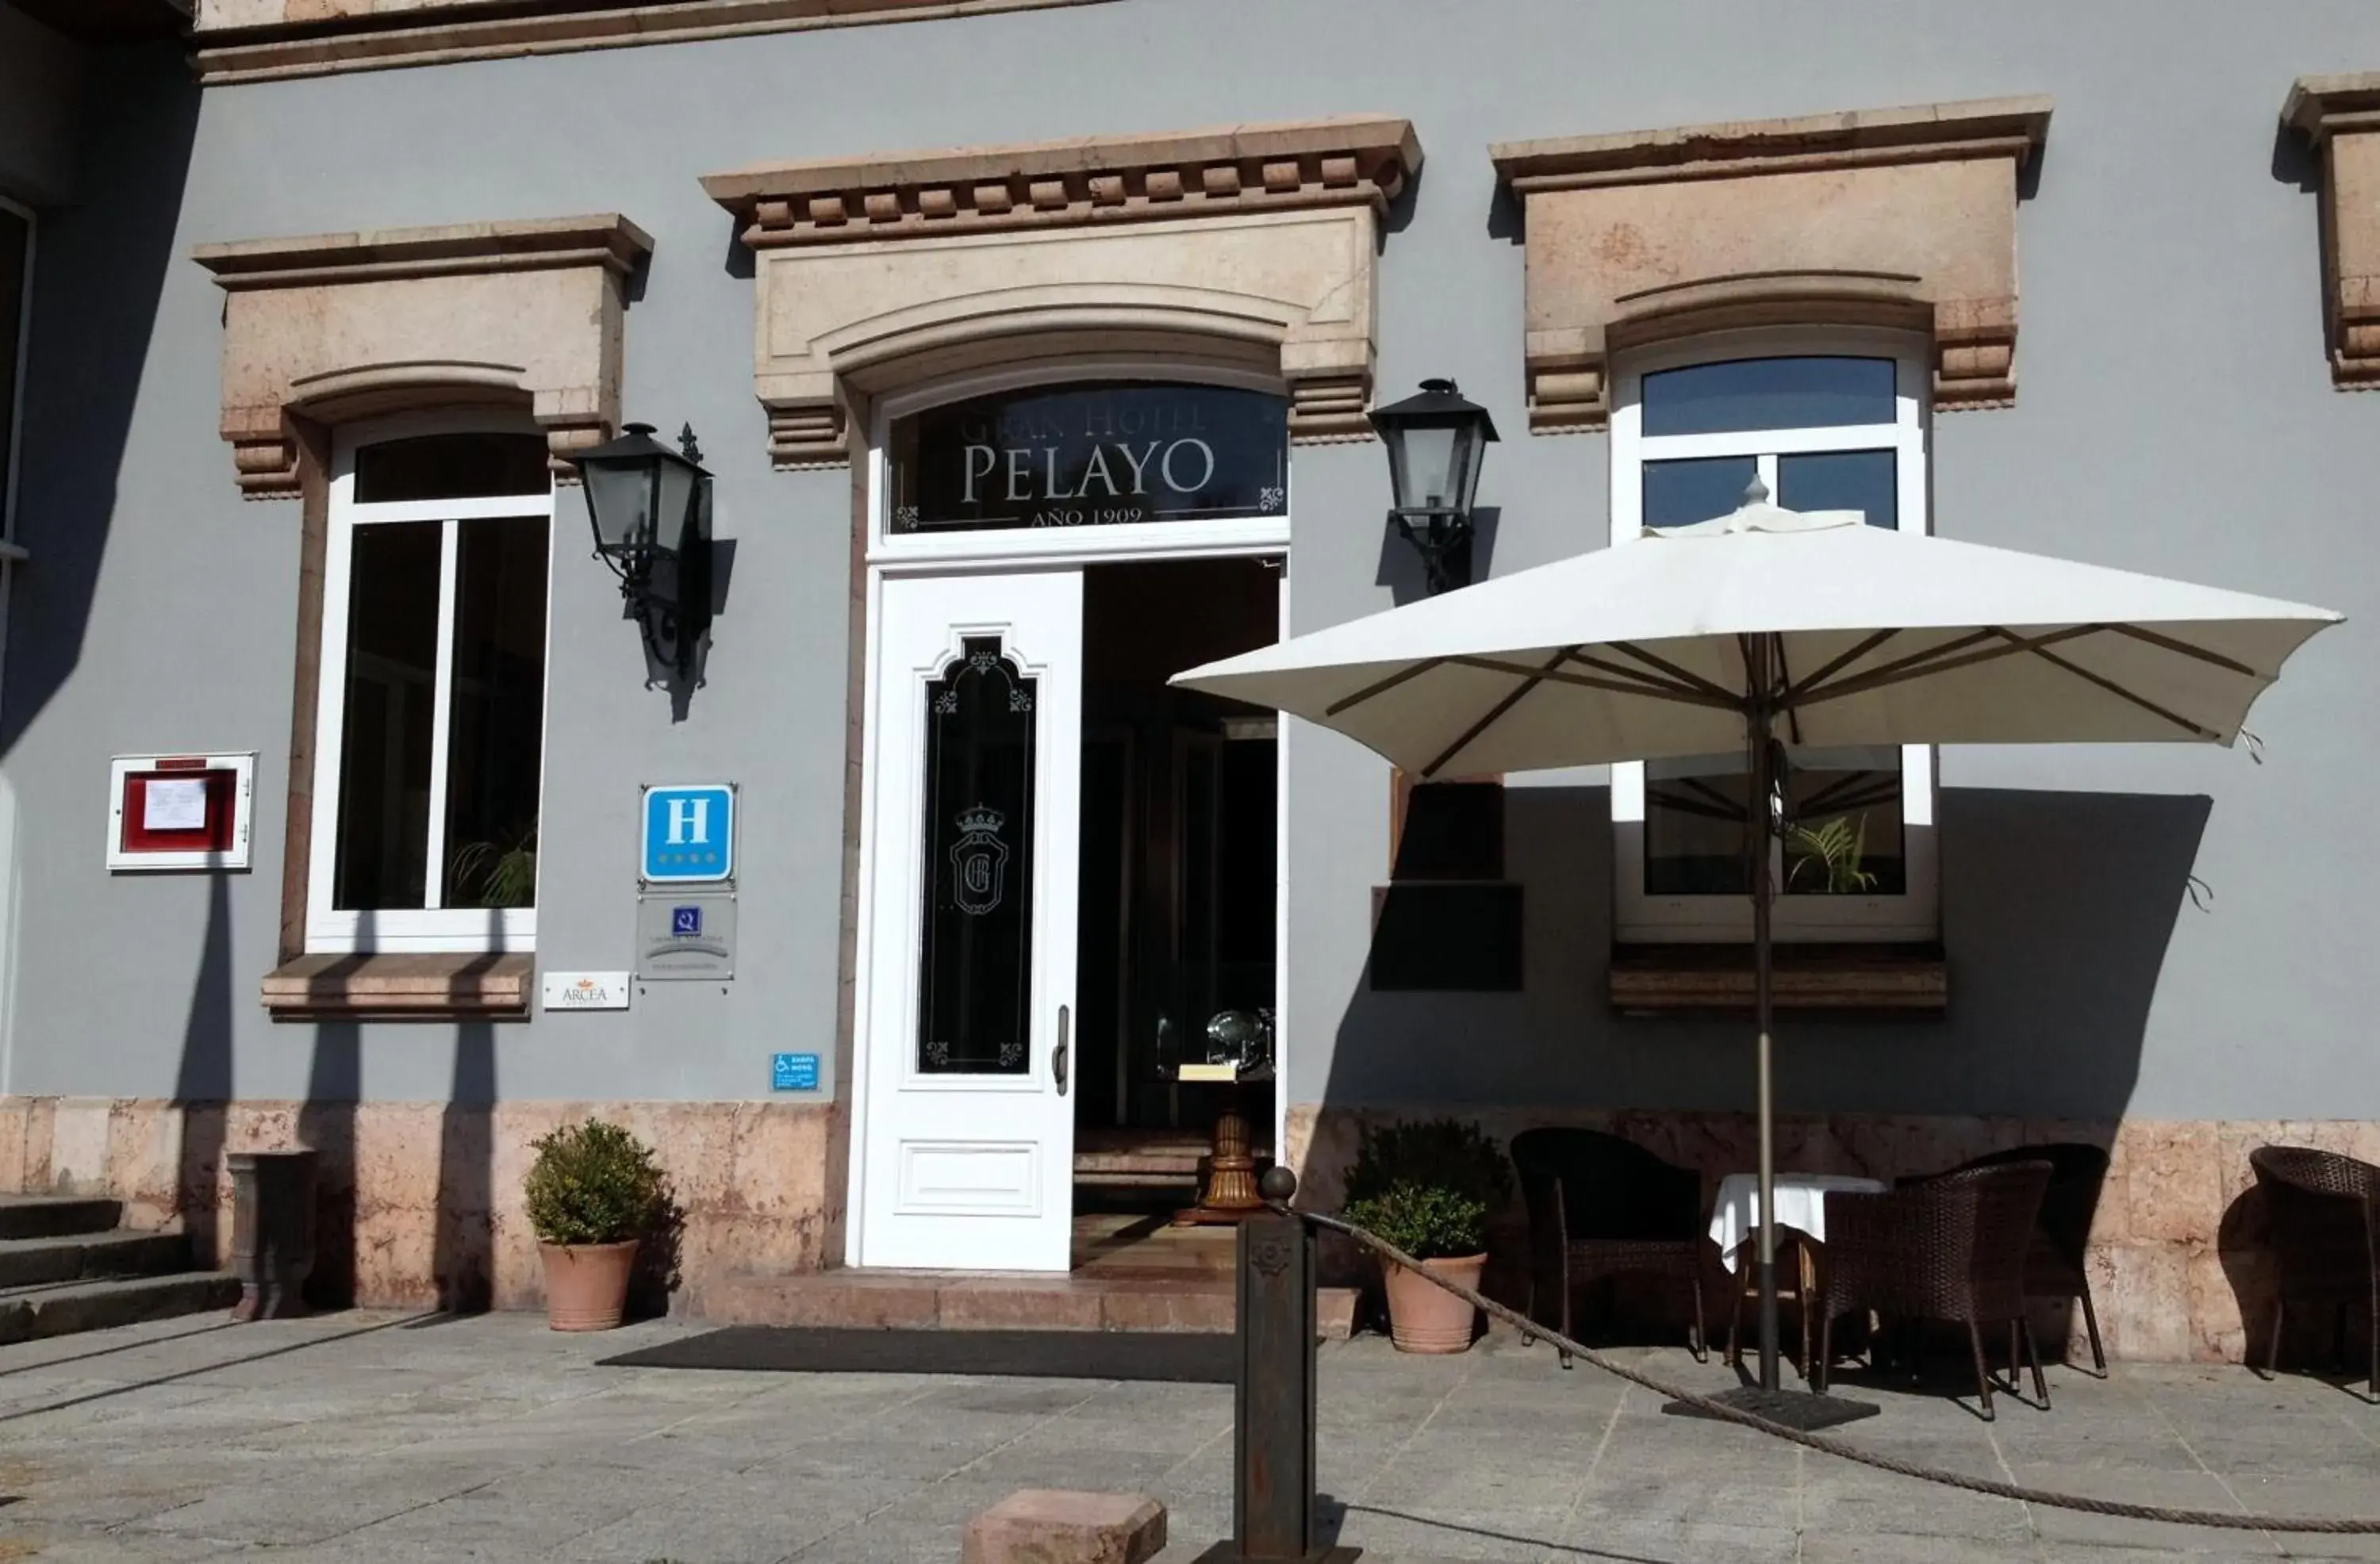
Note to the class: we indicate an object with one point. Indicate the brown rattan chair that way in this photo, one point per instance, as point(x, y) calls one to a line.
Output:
point(1602, 1207)
point(2055, 1265)
point(2323, 1211)
point(1952, 1248)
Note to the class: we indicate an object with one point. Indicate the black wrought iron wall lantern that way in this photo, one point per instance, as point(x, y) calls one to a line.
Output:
point(1435, 442)
point(650, 509)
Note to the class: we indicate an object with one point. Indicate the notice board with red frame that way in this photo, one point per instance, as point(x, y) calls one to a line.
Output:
point(180, 811)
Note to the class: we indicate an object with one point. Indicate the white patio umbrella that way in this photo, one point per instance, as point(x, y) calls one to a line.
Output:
point(1765, 624)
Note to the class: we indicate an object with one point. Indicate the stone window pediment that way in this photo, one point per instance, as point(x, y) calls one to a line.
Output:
point(331, 328)
point(1253, 245)
point(1892, 217)
point(2341, 114)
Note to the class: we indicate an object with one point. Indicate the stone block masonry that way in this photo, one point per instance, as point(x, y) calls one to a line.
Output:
point(420, 1204)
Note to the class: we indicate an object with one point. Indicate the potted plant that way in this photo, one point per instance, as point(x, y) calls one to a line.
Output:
point(1428, 1188)
point(593, 1194)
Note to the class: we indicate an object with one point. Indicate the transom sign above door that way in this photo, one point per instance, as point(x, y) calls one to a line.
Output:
point(1251, 247)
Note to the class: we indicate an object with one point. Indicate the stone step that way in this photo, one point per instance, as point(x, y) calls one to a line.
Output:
point(99, 1305)
point(49, 1216)
point(32, 1261)
point(974, 1300)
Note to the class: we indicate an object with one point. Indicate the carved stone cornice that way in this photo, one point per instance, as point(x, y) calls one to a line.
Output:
point(1091, 179)
point(1643, 235)
point(2342, 115)
point(272, 40)
point(1252, 245)
point(339, 326)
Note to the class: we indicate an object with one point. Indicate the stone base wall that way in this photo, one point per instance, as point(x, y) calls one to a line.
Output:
point(420, 1204)
point(2178, 1267)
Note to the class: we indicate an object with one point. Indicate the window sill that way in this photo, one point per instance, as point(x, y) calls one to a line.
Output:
point(461, 986)
point(1716, 980)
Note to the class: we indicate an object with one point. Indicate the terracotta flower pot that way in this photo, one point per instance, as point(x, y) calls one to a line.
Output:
point(1424, 1318)
point(587, 1284)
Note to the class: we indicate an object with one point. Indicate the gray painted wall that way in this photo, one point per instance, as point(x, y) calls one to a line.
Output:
point(41, 91)
point(2176, 416)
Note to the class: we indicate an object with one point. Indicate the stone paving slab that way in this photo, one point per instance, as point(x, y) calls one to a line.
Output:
point(389, 1439)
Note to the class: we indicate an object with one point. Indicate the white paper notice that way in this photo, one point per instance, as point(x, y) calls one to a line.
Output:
point(177, 804)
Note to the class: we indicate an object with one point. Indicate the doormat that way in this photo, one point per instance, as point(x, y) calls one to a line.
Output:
point(1184, 1357)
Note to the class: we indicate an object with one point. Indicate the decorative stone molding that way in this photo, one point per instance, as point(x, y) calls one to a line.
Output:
point(1902, 217)
point(1253, 245)
point(343, 326)
point(400, 988)
point(2342, 115)
point(269, 40)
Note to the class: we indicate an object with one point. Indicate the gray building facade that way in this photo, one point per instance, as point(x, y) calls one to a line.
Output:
point(2116, 296)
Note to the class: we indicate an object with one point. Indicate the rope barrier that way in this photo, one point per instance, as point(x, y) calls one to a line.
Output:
point(1531, 1330)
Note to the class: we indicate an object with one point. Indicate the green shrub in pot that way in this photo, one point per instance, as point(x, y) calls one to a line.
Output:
point(593, 1194)
point(1428, 1187)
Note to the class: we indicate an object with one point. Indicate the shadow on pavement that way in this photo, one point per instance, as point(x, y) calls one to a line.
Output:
point(205, 1368)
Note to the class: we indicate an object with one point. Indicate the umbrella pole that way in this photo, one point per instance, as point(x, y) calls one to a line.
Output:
point(1757, 725)
point(1768, 1399)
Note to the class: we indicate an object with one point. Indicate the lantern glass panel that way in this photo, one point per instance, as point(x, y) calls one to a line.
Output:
point(621, 500)
point(674, 514)
point(1429, 462)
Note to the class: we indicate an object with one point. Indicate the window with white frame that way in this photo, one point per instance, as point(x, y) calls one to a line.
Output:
point(1823, 422)
point(430, 730)
point(16, 314)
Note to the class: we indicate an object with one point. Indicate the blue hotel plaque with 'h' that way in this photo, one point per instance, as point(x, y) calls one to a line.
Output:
point(689, 835)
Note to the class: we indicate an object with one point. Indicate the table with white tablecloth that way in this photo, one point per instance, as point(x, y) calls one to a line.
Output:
point(1801, 1204)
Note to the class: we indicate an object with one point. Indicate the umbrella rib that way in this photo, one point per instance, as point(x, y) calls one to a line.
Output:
point(1683, 675)
point(1655, 692)
point(2121, 693)
point(1829, 669)
point(1530, 680)
point(2183, 647)
point(1644, 681)
point(1919, 664)
point(1411, 670)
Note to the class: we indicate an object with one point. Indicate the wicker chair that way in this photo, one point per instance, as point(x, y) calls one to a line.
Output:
point(2323, 1211)
point(1952, 1248)
point(2054, 1265)
point(1602, 1207)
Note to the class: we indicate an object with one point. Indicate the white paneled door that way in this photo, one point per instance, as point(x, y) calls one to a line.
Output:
point(973, 828)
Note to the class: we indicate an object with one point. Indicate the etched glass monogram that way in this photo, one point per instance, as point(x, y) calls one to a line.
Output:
point(976, 986)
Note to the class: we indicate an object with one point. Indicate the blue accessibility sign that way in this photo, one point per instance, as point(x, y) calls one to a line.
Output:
point(793, 1072)
point(689, 836)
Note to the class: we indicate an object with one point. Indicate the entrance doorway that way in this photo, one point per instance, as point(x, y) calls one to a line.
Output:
point(1176, 959)
point(1073, 891)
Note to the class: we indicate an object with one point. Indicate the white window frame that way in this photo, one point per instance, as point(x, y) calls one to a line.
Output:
point(1639, 917)
point(433, 928)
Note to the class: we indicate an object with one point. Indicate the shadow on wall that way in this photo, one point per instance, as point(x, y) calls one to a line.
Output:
point(2058, 909)
point(99, 273)
point(202, 1085)
point(463, 1255)
point(326, 1123)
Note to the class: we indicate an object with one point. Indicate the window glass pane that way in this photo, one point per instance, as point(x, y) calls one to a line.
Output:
point(1843, 832)
point(1098, 454)
point(1841, 481)
point(495, 732)
point(1746, 393)
point(1678, 492)
point(1695, 820)
point(974, 1015)
point(16, 246)
point(384, 753)
point(451, 466)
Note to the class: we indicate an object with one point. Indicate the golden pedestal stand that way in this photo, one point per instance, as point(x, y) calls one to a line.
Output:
point(1231, 1192)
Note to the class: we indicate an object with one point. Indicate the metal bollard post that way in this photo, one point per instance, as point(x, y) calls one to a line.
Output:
point(1272, 1434)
